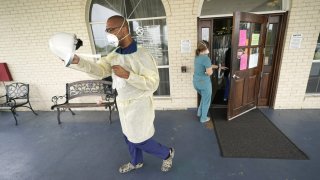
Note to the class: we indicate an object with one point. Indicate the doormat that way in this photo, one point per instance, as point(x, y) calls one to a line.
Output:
point(252, 135)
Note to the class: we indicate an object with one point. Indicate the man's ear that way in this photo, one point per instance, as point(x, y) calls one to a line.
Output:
point(126, 29)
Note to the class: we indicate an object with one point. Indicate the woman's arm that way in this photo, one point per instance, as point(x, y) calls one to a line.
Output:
point(214, 66)
point(209, 71)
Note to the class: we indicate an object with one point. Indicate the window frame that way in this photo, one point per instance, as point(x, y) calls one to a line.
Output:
point(313, 62)
point(92, 43)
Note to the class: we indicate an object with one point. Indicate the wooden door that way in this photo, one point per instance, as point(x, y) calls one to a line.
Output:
point(248, 38)
point(271, 60)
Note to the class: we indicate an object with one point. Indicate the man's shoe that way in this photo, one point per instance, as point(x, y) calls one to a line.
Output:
point(167, 163)
point(129, 167)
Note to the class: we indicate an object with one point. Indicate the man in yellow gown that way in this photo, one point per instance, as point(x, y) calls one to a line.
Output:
point(136, 78)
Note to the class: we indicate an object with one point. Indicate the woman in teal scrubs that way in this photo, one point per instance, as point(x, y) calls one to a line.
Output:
point(203, 69)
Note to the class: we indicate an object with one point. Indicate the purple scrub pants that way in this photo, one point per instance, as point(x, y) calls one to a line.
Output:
point(149, 146)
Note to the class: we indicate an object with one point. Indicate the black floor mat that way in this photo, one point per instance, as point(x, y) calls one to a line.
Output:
point(252, 135)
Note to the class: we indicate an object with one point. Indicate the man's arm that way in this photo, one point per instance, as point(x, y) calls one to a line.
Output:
point(100, 69)
point(148, 80)
point(147, 76)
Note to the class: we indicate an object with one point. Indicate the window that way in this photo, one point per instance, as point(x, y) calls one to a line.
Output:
point(314, 77)
point(147, 26)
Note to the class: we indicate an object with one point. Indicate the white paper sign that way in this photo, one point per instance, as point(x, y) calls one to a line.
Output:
point(205, 34)
point(295, 41)
point(253, 62)
point(185, 46)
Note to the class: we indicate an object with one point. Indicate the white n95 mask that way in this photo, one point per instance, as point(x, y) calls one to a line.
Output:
point(112, 40)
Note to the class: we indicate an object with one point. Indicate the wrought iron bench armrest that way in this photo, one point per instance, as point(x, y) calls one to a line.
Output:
point(55, 99)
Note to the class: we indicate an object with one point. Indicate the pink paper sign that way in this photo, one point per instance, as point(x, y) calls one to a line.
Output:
point(242, 37)
point(243, 62)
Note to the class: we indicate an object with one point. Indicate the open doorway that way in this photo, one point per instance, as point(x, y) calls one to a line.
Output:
point(218, 32)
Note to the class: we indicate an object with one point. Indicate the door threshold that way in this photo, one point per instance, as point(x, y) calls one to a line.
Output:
point(242, 113)
point(217, 106)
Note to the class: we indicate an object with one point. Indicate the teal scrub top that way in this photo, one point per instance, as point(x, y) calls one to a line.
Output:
point(201, 63)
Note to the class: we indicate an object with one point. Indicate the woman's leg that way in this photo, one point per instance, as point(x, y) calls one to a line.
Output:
point(205, 102)
point(195, 85)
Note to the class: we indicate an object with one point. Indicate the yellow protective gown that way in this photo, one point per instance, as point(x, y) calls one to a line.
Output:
point(134, 100)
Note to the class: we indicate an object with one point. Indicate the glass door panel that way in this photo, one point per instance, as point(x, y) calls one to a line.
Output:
point(244, 33)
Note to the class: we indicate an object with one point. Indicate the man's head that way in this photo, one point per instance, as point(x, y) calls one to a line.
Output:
point(118, 26)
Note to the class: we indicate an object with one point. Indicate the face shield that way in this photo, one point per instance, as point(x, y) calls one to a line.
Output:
point(64, 45)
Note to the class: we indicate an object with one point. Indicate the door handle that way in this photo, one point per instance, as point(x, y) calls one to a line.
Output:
point(235, 76)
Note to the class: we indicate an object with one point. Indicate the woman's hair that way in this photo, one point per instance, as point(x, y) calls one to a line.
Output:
point(202, 45)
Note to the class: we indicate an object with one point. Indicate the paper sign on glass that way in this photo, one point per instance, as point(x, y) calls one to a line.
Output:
point(255, 39)
point(205, 34)
point(243, 62)
point(242, 37)
point(253, 62)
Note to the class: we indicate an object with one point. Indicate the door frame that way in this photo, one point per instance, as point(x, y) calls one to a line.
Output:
point(280, 46)
point(279, 54)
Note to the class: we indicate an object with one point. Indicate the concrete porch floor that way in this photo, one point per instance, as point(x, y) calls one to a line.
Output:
point(86, 147)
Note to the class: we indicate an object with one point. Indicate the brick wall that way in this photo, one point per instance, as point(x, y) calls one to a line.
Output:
point(304, 18)
point(26, 27)
point(182, 25)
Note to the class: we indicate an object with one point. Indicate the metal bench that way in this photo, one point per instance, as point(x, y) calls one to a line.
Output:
point(99, 88)
point(17, 95)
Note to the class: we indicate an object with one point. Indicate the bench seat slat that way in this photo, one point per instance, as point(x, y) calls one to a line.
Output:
point(78, 105)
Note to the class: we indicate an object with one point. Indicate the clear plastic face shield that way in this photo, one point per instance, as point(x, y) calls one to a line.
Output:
point(63, 45)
